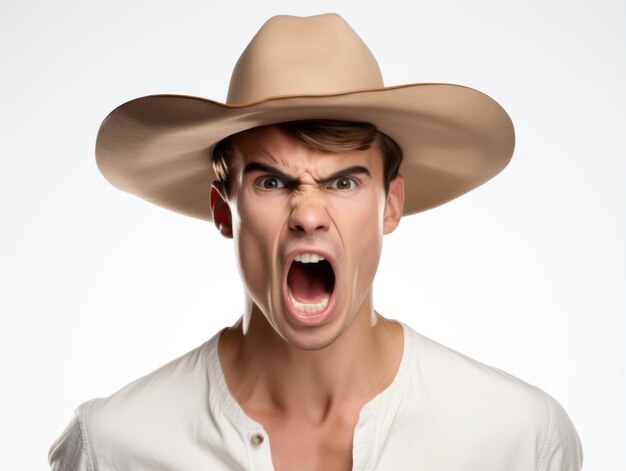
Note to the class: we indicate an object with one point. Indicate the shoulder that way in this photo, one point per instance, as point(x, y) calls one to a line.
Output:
point(562, 449)
point(483, 403)
point(70, 450)
point(138, 418)
point(454, 375)
point(157, 399)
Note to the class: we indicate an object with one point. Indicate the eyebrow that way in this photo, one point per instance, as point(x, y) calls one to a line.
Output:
point(292, 181)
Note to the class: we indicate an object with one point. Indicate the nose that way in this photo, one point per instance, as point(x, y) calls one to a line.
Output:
point(309, 215)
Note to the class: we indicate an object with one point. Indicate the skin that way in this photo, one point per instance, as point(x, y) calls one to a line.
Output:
point(307, 383)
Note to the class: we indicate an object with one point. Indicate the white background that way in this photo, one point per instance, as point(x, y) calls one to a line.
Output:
point(527, 273)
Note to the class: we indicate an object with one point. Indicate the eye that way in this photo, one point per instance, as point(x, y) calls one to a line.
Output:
point(343, 183)
point(269, 183)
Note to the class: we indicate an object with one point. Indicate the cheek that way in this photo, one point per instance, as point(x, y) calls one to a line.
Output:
point(369, 255)
point(363, 228)
point(249, 256)
point(255, 232)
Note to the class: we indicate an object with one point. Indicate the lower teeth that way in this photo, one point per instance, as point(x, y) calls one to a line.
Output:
point(307, 308)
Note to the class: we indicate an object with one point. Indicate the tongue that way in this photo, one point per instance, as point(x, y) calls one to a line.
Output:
point(306, 282)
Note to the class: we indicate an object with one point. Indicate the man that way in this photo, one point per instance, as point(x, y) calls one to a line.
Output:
point(312, 162)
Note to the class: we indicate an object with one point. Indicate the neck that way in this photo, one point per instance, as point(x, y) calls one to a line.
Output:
point(266, 375)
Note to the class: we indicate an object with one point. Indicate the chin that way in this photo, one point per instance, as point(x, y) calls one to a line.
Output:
point(310, 342)
point(310, 337)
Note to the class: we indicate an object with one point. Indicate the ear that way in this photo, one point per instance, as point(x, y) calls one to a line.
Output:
point(394, 205)
point(221, 212)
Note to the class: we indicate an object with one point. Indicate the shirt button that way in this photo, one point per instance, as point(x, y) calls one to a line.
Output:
point(256, 439)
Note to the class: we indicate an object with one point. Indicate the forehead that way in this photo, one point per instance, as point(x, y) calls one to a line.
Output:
point(272, 145)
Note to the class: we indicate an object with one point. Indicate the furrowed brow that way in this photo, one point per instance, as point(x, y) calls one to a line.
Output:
point(344, 172)
point(259, 167)
point(293, 182)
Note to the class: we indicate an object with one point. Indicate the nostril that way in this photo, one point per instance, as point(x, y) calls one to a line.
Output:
point(300, 228)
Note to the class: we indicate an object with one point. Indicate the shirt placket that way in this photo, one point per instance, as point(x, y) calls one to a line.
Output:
point(258, 444)
point(364, 441)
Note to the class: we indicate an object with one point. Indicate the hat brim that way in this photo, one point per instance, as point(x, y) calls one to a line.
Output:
point(453, 138)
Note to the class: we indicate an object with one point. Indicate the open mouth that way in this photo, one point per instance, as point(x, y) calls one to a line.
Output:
point(310, 283)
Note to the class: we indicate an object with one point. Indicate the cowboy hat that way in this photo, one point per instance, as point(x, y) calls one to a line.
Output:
point(453, 138)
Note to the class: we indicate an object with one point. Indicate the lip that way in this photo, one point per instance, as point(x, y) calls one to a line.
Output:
point(321, 317)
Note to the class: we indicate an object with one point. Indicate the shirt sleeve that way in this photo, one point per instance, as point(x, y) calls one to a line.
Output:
point(562, 450)
point(70, 452)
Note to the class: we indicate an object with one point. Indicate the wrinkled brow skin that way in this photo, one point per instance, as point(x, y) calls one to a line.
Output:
point(293, 182)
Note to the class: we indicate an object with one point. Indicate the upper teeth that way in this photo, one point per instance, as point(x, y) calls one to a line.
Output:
point(308, 258)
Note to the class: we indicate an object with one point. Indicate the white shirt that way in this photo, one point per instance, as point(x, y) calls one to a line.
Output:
point(442, 412)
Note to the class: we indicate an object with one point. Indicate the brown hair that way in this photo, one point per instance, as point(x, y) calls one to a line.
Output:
point(323, 135)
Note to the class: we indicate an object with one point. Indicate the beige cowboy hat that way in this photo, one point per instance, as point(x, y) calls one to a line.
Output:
point(453, 138)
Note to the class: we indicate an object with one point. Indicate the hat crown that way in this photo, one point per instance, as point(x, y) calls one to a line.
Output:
point(318, 55)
